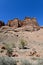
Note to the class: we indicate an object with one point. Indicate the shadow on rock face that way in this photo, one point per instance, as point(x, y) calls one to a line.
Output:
point(2, 24)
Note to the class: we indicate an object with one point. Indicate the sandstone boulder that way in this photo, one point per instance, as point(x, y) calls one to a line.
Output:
point(30, 22)
point(26, 21)
point(14, 23)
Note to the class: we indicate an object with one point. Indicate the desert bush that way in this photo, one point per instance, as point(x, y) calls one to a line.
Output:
point(33, 58)
point(40, 62)
point(7, 61)
point(22, 44)
point(9, 50)
point(10, 45)
point(32, 61)
point(25, 62)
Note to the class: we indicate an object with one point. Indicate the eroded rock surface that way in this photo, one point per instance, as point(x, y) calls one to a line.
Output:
point(23, 41)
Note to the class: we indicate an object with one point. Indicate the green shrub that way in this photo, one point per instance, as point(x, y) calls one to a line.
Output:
point(10, 45)
point(9, 50)
point(40, 61)
point(7, 61)
point(32, 61)
point(25, 62)
point(22, 44)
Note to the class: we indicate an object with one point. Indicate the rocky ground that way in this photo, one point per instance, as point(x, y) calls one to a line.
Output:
point(22, 45)
point(21, 42)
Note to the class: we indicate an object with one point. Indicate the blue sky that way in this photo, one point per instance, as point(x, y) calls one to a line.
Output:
point(10, 9)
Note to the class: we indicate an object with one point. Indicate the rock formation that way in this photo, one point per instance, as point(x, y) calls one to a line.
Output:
point(28, 24)
point(2, 24)
point(20, 41)
point(14, 23)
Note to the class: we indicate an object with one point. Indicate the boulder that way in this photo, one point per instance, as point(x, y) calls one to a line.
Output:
point(26, 21)
point(14, 23)
point(30, 23)
point(34, 22)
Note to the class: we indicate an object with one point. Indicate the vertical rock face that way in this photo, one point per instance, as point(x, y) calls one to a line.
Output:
point(19, 23)
point(2, 24)
point(35, 24)
point(31, 22)
point(13, 23)
point(34, 21)
point(27, 22)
